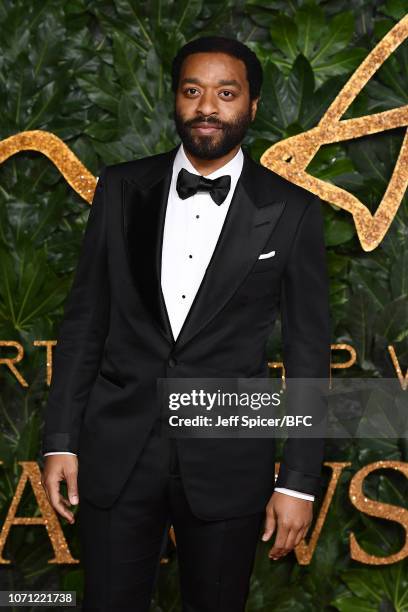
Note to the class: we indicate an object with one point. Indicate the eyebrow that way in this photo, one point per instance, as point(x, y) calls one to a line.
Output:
point(220, 82)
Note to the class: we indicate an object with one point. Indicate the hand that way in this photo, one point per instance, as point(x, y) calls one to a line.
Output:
point(57, 468)
point(293, 515)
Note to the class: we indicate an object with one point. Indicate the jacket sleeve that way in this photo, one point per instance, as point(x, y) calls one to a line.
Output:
point(306, 338)
point(81, 336)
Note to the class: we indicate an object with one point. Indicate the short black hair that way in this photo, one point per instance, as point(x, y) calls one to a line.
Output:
point(221, 44)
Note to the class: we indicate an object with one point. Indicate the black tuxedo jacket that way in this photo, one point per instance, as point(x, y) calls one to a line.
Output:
point(115, 339)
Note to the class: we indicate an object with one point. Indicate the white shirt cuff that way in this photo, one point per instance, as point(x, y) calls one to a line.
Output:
point(295, 493)
point(59, 453)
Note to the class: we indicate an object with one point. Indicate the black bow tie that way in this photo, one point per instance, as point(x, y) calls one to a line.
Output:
point(188, 184)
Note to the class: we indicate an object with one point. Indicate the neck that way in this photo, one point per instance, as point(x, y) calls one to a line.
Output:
point(207, 166)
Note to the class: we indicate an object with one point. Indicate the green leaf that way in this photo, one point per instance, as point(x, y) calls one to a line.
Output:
point(360, 314)
point(399, 275)
point(392, 319)
point(310, 21)
point(335, 38)
point(374, 587)
point(337, 230)
point(129, 68)
point(369, 275)
point(284, 35)
point(275, 108)
point(339, 63)
point(395, 8)
point(100, 89)
point(300, 88)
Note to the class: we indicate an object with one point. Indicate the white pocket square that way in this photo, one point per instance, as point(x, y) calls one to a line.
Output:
point(266, 255)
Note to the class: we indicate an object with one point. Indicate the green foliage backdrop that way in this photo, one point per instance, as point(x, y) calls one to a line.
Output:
point(97, 75)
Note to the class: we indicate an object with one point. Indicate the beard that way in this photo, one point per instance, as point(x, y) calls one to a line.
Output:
point(212, 146)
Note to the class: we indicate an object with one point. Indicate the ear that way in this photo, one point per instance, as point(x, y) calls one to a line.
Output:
point(254, 107)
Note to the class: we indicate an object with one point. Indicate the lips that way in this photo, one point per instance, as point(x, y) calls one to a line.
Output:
point(205, 128)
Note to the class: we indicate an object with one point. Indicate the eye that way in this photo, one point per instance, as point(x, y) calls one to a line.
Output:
point(229, 94)
point(190, 89)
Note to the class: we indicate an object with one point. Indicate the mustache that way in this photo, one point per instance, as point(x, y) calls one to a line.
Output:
point(209, 120)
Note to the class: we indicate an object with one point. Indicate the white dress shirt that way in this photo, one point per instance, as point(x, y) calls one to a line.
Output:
point(191, 230)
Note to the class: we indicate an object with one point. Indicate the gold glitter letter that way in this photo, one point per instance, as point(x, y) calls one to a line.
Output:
point(378, 509)
point(48, 517)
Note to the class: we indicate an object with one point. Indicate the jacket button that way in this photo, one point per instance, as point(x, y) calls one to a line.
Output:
point(172, 362)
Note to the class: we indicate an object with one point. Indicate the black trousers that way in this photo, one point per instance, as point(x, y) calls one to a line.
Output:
point(121, 546)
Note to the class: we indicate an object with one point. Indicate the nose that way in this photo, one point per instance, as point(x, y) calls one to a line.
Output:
point(207, 104)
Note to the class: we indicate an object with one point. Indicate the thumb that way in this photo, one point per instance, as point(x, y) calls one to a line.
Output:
point(269, 527)
point(72, 488)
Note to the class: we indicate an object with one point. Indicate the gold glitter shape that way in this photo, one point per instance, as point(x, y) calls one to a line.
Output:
point(10, 361)
point(402, 379)
point(344, 364)
point(49, 355)
point(72, 169)
point(377, 509)
point(304, 551)
point(48, 518)
point(291, 156)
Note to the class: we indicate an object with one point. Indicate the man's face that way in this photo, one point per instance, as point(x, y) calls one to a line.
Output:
point(212, 108)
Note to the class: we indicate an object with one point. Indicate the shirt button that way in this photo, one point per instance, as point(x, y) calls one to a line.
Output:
point(172, 362)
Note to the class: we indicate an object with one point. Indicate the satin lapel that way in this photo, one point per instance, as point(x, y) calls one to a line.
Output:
point(250, 220)
point(144, 204)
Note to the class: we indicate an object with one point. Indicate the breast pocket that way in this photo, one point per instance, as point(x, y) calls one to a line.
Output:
point(268, 261)
point(110, 380)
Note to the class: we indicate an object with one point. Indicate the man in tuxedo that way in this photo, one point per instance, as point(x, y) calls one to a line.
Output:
point(187, 258)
